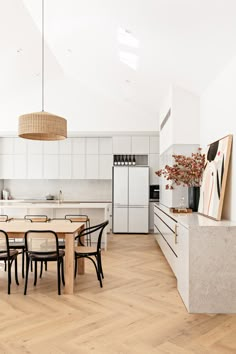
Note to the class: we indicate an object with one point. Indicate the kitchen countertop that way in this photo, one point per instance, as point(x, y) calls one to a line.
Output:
point(53, 204)
point(194, 220)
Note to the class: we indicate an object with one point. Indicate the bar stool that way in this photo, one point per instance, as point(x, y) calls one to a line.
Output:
point(81, 218)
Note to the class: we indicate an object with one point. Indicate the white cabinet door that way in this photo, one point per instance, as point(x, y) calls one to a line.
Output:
point(120, 220)
point(154, 166)
point(50, 166)
point(78, 146)
point(92, 167)
point(50, 147)
point(78, 166)
point(105, 166)
point(6, 146)
point(20, 166)
point(138, 186)
point(151, 216)
point(35, 147)
point(20, 146)
point(120, 186)
point(154, 145)
point(64, 166)
point(105, 146)
point(65, 146)
point(35, 166)
point(6, 166)
point(91, 146)
point(140, 144)
point(138, 220)
point(121, 144)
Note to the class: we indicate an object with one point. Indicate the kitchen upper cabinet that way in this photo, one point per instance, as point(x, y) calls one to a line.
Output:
point(50, 147)
point(6, 163)
point(92, 146)
point(65, 146)
point(19, 146)
point(35, 166)
point(105, 166)
point(140, 145)
point(78, 146)
point(105, 146)
point(92, 167)
point(35, 147)
point(154, 166)
point(20, 166)
point(121, 144)
point(154, 144)
point(50, 166)
point(6, 146)
point(65, 166)
point(78, 167)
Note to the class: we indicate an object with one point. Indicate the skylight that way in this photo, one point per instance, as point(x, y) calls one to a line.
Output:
point(129, 59)
point(125, 37)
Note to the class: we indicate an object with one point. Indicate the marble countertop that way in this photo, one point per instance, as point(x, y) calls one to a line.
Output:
point(193, 220)
point(53, 204)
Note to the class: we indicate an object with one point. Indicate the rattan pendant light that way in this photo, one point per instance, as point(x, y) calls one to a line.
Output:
point(42, 125)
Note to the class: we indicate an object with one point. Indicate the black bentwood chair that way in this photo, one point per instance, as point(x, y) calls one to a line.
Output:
point(42, 246)
point(92, 253)
point(8, 256)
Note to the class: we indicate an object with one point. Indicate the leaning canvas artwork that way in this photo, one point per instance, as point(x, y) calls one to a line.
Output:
point(215, 177)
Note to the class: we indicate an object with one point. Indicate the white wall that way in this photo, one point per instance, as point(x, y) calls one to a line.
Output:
point(218, 118)
point(85, 109)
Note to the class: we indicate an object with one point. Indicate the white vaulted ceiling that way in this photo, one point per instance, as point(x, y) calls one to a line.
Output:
point(185, 42)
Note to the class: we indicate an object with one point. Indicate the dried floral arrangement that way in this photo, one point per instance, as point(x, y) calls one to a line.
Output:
point(186, 171)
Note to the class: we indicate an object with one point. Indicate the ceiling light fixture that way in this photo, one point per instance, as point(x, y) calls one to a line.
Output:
point(42, 125)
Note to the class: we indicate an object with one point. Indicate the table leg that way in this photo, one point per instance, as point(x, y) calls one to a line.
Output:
point(69, 264)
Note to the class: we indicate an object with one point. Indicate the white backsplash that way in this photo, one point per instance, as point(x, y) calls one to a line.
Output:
point(81, 190)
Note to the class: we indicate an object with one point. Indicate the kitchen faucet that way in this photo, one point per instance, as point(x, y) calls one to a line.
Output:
point(60, 197)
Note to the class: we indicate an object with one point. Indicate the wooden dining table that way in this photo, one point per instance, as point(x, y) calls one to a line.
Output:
point(65, 230)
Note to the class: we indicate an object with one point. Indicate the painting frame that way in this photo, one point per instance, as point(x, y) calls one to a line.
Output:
point(214, 179)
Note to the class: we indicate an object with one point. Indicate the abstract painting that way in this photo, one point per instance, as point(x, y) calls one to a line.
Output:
point(214, 178)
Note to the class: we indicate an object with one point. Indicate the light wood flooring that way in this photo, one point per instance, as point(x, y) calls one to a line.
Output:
point(138, 311)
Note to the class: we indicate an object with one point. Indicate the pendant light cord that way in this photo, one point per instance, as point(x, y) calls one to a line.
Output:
point(42, 55)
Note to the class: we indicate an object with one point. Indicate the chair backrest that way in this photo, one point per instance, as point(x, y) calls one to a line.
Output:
point(77, 217)
point(58, 220)
point(90, 230)
point(36, 218)
point(41, 241)
point(4, 243)
point(3, 218)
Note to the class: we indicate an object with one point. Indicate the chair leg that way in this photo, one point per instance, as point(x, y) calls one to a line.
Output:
point(46, 265)
point(9, 276)
point(58, 277)
point(27, 273)
point(5, 267)
point(16, 273)
point(97, 271)
point(99, 260)
point(62, 272)
point(23, 263)
point(41, 270)
point(35, 273)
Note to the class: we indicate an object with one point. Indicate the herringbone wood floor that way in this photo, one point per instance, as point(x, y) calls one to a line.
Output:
point(138, 311)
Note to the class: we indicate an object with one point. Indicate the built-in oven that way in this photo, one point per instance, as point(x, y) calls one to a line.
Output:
point(154, 192)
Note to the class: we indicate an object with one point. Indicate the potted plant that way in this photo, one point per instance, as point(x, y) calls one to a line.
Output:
point(186, 171)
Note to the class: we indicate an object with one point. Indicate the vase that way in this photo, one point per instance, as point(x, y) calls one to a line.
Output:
point(193, 197)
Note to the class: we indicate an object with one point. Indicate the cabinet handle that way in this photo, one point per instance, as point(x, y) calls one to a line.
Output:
point(176, 233)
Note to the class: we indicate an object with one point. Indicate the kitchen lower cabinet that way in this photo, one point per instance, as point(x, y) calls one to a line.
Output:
point(138, 220)
point(201, 253)
point(120, 219)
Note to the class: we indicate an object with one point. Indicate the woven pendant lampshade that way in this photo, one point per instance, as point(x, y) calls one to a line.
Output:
point(42, 125)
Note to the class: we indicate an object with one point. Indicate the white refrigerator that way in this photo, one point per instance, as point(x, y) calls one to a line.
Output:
point(130, 199)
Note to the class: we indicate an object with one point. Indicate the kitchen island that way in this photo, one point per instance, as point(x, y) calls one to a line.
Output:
point(97, 212)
